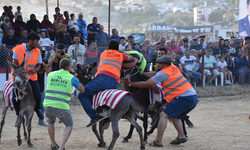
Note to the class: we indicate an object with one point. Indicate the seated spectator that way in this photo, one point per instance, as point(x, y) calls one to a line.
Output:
point(176, 61)
point(209, 45)
point(92, 29)
point(10, 40)
point(202, 42)
point(92, 53)
point(223, 48)
point(185, 45)
point(242, 68)
point(188, 67)
point(131, 43)
point(226, 43)
point(64, 37)
point(180, 43)
point(123, 44)
point(237, 45)
point(57, 56)
point(33, 25)
point(82, 26)
point(77, 50)
point(44, 42)
point(72, 23)
point(246, 45)
point(18, 12)
point(66, 20)
point(232, 54)
point(57, 10)
point(101, 37)
point(216, 51)
point(194, 53)
point(6, 25)
point(173, 47)
point(19, 25)
point(178, 55)
point(58, 24)
point(222, 67)
point(23, 36)
point(46, 24)
point(209, 67)
point(195, 45)
point(115, 35)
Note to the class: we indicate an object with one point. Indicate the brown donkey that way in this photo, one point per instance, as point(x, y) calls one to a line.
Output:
point(24, 94)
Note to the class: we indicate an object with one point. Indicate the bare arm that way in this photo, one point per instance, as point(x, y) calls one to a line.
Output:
point(90, 32)
point(141, 84)
point(50, 62)
point(81, 88)
point(46, 69)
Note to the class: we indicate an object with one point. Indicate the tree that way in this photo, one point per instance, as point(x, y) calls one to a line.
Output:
point(237, 3)
point(216, 15)
point(232, 2)
point(203, 18)
point(230, 16)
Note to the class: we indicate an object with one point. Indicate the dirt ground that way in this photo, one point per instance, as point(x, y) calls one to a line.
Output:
point(219, 123)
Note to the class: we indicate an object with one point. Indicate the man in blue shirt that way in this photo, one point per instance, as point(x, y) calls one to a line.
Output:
point(82, 26)
point(92, 29)
point(101, 37)
point(23, 36)
point(115, 35)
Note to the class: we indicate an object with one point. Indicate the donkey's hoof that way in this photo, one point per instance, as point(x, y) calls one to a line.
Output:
point(142, 147)
point(25, 138)
point(19, 142)
point(145, 142)
point(30, 145)
point(148, 133)
point(101, 144)
point(125, 140)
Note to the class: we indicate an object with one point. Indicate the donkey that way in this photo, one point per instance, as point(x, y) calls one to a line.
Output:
point(24, 94)
point(125, 108)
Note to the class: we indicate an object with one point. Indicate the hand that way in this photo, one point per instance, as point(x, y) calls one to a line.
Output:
point(31, 71)
point(127, 82)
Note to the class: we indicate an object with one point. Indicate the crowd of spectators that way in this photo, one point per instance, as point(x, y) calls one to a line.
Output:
point(85, 42)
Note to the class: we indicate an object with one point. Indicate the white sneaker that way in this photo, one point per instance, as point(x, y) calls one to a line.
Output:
point(229, 82)
point(226, 82)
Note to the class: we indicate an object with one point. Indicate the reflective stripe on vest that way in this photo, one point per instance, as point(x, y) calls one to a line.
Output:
point(57, 99)
point(172, 83)
point(174, 88)
point(58, 92)
point(142, 61)
point(108, 63)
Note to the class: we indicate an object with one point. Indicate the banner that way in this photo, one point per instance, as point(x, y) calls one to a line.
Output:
point(244, 13)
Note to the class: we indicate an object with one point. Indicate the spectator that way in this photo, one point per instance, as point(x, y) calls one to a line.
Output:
point(185, 45)
point(202, 42)
point(149, 50)
point(77, 50)
point(7, 13)
point(66, 20)
point(115, 35)
point(161, 52)
point(131, 43)
point(173, 47)
point(209, 67)
point(223, 48)
point(180, 43)
point(46, 24)
point(195, 45)
point(92, 29)
point(242, 68)
point(18, 12)
point(82, 26)
point(176, 61)
point(188, 67)
point(57, 56)
point(101, 37)
point(123, 44)
point(10, 9)
point(6, 25)
point(162, 42)
point(57, 10)
point(92, 54)
point(64, 37)
point(194, 53)
point(209, 45)
point(222, 67)
point(246, 45)
point(216, 50)
point(58, 24)
point(237, 45)
point(73, 23)
point(23, 36)
point(10, 40)
point(33, 25)
point(19, 25)
point(44, 42)
point(231, 49)
point(226, 43)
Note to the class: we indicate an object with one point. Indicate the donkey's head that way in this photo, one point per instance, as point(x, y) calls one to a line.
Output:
point(20, 77)
point(84, 72)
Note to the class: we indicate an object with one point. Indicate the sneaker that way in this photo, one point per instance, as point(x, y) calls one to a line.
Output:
point(189, 123)
point(226, 81)
point(95, 120)
point(41, 123)
point(229, 82)
point(39, 114)
point(209, 84)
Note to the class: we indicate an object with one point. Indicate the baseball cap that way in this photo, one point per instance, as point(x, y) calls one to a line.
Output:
point(163, 59)
point(185, 40)
point(195, 38)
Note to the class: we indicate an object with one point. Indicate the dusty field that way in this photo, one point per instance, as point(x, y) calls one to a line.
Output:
point(219, 123)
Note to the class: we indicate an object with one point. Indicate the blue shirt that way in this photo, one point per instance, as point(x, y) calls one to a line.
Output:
point(82, 29)
point(39, 61)
point(117, 38)
point(1, 41)
point(20, 39)
point(92, 28)
point(101, 38)
point(75, 82)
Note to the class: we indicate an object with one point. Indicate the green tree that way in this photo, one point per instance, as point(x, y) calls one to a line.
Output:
point(216, 15)
point(230, 16)
point(237, 3)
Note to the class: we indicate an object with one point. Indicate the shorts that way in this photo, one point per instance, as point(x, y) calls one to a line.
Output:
point(64, 115)
point(181, 106)
point(208, 72)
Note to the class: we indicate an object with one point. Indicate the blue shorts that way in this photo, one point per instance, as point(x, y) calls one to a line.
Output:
point(180, 106)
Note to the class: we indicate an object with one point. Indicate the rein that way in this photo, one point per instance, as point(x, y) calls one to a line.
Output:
point(19, 91)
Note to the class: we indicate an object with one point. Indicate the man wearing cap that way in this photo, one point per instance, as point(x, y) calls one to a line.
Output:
point(196, 45)
point(179, 94)
point(185, 45)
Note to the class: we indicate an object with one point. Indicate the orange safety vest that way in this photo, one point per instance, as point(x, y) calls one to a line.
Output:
point(176, 84)
point(31, 62)
point(111, 61)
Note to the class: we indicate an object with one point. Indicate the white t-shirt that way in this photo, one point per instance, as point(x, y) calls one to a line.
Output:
point(72, 25)
point(122, 48)
point(44, 42)
point(222, 65)
point(189, 63)
point(16, 14)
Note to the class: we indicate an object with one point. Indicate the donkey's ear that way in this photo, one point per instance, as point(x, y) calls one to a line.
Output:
point(93, 66)
point(11, 65)
point(23, 65)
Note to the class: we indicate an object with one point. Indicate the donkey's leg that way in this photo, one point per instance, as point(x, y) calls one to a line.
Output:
point(29, 128)
point(101, 131)
point(19, 140)
point(183, 126)
point(145, 125)
point(97, 134)
point(129, 133)
point(5, 108)
point(153, 128)
point(24, 129)
point(116, 133)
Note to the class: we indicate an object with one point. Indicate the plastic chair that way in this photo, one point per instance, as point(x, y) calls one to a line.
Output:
point(204, 80)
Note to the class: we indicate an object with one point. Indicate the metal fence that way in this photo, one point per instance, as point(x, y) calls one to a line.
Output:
point(234, 60)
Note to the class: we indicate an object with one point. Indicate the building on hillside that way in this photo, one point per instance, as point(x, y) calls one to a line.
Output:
point(121, 7)
point(217, 2)
point(180, 8)
point(216, 6)
point(133, 1)
point(201, 14)
point(161, 11)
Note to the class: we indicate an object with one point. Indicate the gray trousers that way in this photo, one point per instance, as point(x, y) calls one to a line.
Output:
point(243, 73)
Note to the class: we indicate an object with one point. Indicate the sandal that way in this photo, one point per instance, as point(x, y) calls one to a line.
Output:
point(154, 144)
point(178, 141)
point(54, 147)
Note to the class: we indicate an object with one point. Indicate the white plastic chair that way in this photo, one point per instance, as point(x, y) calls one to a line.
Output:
point(222, 78)
point(204, 80)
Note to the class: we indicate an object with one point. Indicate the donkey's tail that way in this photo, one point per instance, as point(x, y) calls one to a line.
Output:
point(136, 112)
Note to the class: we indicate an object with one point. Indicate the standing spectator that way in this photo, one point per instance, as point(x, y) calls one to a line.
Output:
point(82, 26)
point(162, 42)
point(131, 43)
point(64, 37)
point(123, 44)
point(72, 23)
point(46, 24)
point(246, 45)
point(58, 24)
point(6, 25)
point(173, 47)
point(101, 37)
point(10, 9)
point(210, 67)
point(77, 50)
point(23, 36)
point(91, 54)
point(185, 45)
point(10, 40)
point(7, 13)
point(180, 43)
point(115, 35)
point(195, 44)
point(19, 25)
point(188, 67)
point(92, 29)
point(202, 42)
point(18, 12)
point(66, 20)
point(176, 61)
point(242, 68)
point(149, 50)
point(33, 25)
point(222, 67)
point(57, 10)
